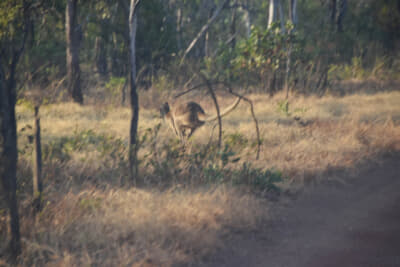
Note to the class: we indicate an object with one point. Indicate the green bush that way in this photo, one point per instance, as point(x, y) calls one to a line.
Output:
point(204, 164)
point(88, 140)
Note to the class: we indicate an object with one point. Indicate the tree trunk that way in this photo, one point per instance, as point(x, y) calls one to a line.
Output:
point(341, 12)
point(333, 13)
point(118, 66)
point(247, 19)
point(293, 20)
point(73, 38)
point(134, 95)
point(37, 164)
point(179, 28)
point(8, 151)
point(275, 7)
point(206, 44)
point(293, 12)
point(233, 27)
point(273, 14)
point(288, 70)
point(281, 16)
point(101, 56)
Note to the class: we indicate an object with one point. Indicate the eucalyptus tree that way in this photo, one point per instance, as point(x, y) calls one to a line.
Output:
point(14, 32)
point(73, 40)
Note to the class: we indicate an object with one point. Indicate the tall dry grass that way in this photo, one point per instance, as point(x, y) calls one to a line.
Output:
point(121, 227)
point(90, 218)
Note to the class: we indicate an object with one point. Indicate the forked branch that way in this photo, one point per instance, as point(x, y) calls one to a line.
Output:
point(214, 98)
point(229, 89)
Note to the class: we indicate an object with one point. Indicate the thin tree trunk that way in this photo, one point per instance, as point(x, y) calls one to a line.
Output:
point(273, 14)
point(206, 44)
point(288, 70)
point(247, 19)
point(37, 164)
point(101, 56)
point(333, 12)
point(73, 36)
point(275, 7)
point(123, 91)
point(281, 16)
point(293, 12)
point(293, 20)
point(134, 95)
point(203, 30)
point(233, 27)
point(179, 28)
point(340, 15)
point(8, 152)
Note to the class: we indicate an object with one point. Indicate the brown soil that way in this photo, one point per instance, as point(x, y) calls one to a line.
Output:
point(355, 224)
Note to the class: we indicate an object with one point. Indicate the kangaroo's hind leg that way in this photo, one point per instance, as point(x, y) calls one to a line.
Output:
point(194, 128)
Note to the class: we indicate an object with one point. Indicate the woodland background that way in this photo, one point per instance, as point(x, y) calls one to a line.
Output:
point(77, 164)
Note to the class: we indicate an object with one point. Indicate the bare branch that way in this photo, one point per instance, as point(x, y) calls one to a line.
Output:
point(229, 89)
point(203, 29)
point(214, 98)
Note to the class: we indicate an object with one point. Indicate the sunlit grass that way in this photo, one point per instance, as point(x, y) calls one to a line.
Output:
point(130, 227)
point(356, 124)
point(91, 218)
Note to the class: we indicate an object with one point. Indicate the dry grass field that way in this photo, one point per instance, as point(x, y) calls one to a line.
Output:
point(185, 202)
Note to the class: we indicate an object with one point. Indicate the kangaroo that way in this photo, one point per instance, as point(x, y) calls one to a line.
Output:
point(189, 116)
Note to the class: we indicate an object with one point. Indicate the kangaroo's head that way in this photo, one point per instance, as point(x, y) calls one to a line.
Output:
point(164, 110)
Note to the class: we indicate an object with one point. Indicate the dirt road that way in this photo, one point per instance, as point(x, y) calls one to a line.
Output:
point(356, 224)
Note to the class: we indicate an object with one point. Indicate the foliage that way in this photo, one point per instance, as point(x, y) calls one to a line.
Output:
point(167, 27)
point(10, 13)
point(115, 85)
point(283, 107)
point(265, 180)
point(236, 140)
point(357, 70)
point(62, 148)
point(258, 58)
point(263, 52)
point(206, 164)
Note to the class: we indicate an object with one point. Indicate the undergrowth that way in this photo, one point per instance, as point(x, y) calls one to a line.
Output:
point(189, 198)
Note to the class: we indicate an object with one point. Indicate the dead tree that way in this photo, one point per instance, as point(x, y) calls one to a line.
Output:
point(134, 96)
point(36, 97)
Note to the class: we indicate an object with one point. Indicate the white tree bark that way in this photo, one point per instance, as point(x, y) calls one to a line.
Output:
point(293, 12)
point(272, 16)
point(132, 35)
point(179, 27)
point(247, 19)
point(275, 8)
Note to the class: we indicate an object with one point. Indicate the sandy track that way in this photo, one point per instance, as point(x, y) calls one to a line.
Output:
point(357, 224)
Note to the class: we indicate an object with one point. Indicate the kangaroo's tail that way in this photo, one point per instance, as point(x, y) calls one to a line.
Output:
point(225, 111)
